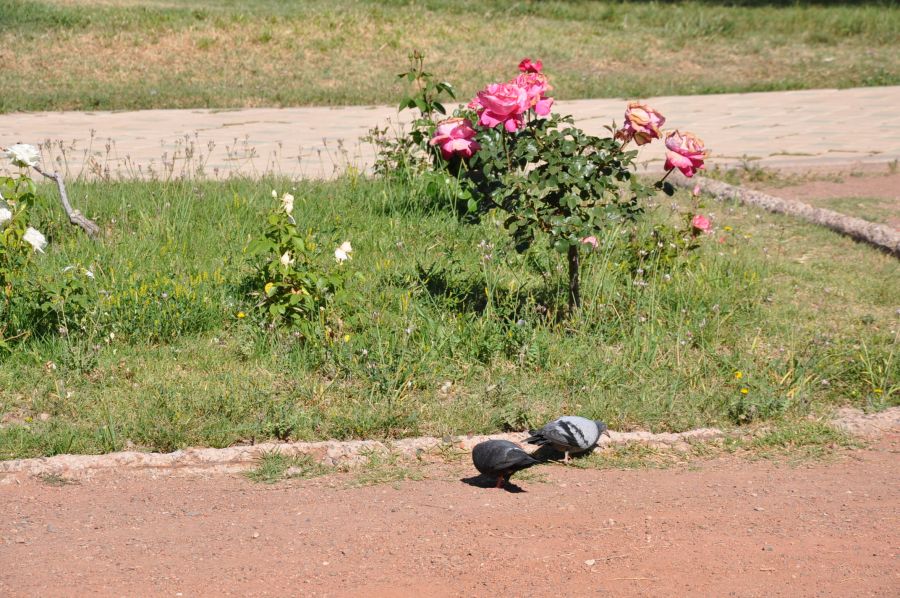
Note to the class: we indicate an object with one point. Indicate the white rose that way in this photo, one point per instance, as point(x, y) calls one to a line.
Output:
point(342, 253)
point(287, 202)
point(23, 155)
point(35, 238)
point(286, 259)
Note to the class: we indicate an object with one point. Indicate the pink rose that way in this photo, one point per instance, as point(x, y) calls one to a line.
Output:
point(592, 241)
point(685, 152)
point(504, 103)
point(642, 123)
point(536, 87)
point(701, 224)
point(455, 136)
point(527, 66)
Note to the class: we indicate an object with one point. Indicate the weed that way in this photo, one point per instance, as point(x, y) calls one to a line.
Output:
point(275, 467)
point(388, 468)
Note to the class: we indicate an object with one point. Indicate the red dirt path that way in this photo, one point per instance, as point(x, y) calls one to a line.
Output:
point(720, 527)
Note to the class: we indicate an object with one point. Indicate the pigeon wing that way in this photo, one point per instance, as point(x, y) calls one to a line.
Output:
point(514, 458)
point(571, 432)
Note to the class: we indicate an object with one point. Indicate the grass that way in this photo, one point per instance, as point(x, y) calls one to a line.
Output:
point(205, 53)
point(275, 467)
point(165, 363)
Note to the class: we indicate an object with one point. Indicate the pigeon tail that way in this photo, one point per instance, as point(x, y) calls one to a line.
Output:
point(537, 438)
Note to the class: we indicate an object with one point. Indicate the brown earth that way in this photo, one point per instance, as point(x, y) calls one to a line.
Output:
point(726, 526)
point(871, 192)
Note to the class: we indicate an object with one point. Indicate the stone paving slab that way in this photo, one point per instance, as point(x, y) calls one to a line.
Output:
point(792, 129)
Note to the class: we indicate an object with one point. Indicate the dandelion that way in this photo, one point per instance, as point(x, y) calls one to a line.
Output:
point(342, 253)
point(346, 338)
point(877, 391)
point(35, 238)
point(728, 229)
point(23, 155)
point(241, 315)
point(738, 375)
point(745, 390)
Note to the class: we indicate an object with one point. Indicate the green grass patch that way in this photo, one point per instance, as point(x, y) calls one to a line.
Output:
point(205, 53)
point(275, 467)
point(773, 321)
point(386, 469)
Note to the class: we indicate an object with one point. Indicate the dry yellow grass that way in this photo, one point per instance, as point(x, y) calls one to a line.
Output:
point(130, 54)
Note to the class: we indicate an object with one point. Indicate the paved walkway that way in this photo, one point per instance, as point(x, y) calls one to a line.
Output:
point(802, 129)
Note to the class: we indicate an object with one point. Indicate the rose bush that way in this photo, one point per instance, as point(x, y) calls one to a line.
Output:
point(550, 177)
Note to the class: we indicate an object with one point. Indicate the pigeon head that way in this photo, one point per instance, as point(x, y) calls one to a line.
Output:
point(603, 428)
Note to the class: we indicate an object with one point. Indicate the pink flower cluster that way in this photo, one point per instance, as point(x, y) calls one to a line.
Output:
point(508, 103)
point(643, 124)
point(455, 136)
point(684, 151)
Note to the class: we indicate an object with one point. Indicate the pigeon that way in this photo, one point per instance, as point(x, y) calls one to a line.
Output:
point(569, 434)
point(500, 458)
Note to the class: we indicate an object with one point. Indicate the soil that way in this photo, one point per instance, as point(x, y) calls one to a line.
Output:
point(721, 527)
point(875, 184)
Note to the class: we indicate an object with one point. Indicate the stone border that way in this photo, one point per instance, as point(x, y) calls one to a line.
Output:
point(352, 452)
point(879, 235)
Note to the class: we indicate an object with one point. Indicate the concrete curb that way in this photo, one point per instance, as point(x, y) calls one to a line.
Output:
point(353, 452)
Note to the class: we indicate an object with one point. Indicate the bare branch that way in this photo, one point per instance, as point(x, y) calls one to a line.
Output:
point(75, 217)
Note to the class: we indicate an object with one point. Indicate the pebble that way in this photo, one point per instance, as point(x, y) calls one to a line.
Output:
point(255, 535)
point(590, 562)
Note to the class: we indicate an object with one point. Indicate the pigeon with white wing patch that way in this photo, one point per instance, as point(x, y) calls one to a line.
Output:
point(570, 434)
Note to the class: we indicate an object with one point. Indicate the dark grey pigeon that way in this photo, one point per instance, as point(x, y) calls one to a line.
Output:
point(500, 458)
point(569, 434)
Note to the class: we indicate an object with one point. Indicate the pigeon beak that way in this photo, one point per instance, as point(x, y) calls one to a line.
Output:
point(606, 433)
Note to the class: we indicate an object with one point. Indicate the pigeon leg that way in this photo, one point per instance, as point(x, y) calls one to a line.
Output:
point(566, 458)
point(500, 482)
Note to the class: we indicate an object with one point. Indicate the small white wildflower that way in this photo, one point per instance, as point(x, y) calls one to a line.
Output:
point(342, 253)
point(287, 202)
point(67, 268)
point(274, 194)
point(5, 215)
point(23, 154)
point(89, 274)
point(667, 277)
point(287, 259)
point(35, 238)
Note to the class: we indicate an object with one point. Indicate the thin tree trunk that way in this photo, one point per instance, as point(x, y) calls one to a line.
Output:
point(879, 235)
point(574, 281)
point(75, 217)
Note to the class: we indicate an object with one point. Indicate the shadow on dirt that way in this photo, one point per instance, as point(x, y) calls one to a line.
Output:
point(483, 481)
